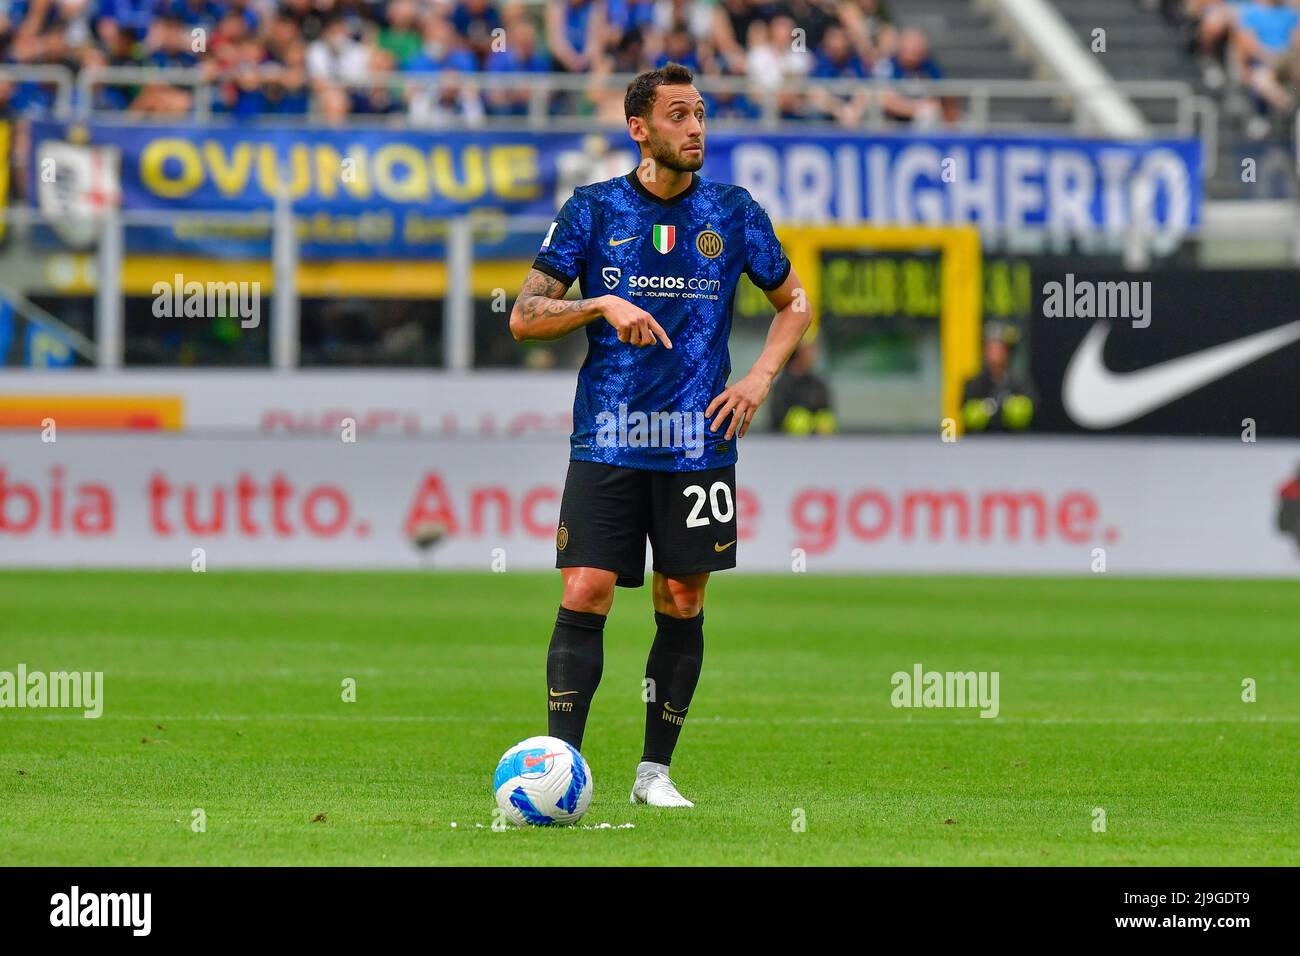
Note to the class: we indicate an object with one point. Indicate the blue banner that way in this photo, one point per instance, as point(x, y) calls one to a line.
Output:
point(997, 182)
point(388, 193)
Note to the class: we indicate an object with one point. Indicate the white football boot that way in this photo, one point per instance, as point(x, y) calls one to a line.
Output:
point(653, 786)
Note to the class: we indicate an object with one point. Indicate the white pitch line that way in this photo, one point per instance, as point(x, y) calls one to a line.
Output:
point(743, 721)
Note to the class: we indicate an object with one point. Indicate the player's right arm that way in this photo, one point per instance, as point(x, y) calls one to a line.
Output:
point(542, 311)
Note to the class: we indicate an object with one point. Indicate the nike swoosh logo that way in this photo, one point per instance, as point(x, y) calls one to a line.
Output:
point(561, 693)
point(1096, 397)
point(619, 242)
point(669, 707)
point(723, 547)
point(533, 761)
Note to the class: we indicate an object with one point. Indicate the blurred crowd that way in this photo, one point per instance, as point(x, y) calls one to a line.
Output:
point(1247, 44)
point(330, 57)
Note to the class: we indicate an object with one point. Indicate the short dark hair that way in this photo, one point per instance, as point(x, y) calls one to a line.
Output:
point(641, 91)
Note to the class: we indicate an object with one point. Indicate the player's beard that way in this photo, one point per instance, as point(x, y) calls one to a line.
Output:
point(664, 155)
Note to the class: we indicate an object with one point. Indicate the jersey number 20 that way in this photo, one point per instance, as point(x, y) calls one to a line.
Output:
point(718, 496)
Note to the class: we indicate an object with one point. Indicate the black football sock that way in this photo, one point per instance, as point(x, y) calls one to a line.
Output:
point(573, 666)
point(674, 667)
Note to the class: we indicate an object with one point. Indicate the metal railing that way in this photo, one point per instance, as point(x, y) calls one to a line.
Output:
point(549, 108)
point(60, 77)
point(556, 101)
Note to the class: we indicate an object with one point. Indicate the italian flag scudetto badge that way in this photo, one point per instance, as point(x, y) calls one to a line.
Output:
point(665, 237)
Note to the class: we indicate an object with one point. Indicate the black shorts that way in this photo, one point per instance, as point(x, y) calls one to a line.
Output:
point(608, 512)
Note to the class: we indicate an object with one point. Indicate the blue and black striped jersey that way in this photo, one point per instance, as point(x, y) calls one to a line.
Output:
point(680, 259)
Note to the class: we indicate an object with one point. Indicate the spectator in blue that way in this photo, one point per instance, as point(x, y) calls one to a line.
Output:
point(736, 106)
point(31, 21)
point(912, 61)
point(628, 16)
point(1262, 38)
point(1264, 31)
point(521, 55)
point(170, 42)
point(475, 21)
point(103, 97)
point(450, 97)
point(678, 48)
point(382, 99)
point(133, 16)
point(28, 99)
point(442, 50)
point(245, 10)
point(287, 95)
point(575, 33)
point(264, 79)
point(838, 60)
point(195, 13)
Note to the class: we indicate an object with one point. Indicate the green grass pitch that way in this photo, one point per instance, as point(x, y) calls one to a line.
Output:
point(223, 692)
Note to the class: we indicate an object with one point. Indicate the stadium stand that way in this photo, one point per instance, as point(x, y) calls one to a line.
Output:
point(1214, 46)
point(967, 41)
point(267, 58)
point(809, 67)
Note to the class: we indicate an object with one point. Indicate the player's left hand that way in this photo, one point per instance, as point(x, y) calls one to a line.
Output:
point(739, 402)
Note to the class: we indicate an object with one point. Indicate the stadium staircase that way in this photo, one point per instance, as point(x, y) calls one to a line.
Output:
point(1142, 45)
point(968, 44)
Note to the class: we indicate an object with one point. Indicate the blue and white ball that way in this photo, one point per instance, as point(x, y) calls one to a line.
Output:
point(541, 782)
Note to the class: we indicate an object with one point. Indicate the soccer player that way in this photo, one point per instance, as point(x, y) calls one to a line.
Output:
point(657, 255)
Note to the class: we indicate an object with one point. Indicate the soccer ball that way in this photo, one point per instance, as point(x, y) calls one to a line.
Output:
point(542, 781)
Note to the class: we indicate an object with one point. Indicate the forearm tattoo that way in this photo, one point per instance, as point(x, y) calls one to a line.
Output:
point(543, 295)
